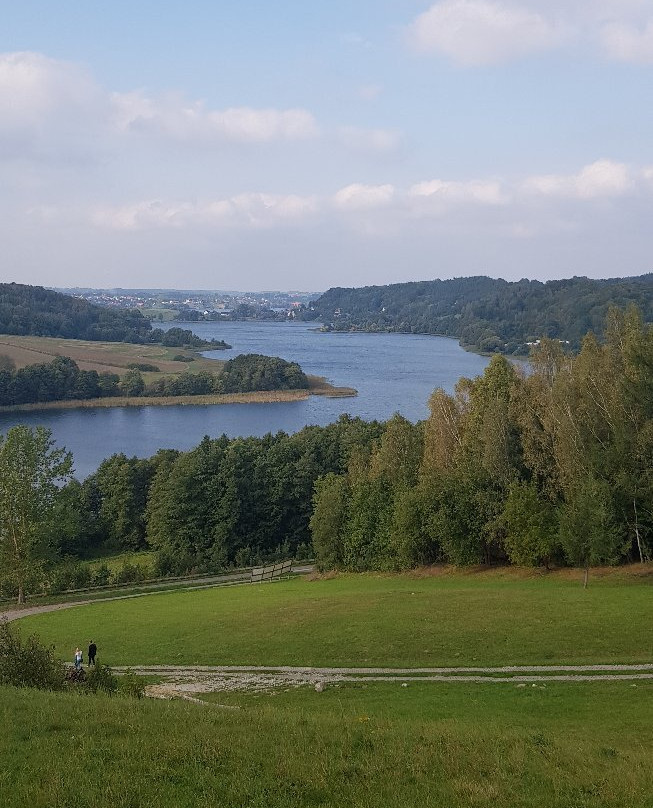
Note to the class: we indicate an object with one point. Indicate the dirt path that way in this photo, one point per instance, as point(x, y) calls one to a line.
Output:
point(208, 582)
point(180, 680)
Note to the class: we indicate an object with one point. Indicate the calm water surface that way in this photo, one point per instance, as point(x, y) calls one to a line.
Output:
point(392, 373)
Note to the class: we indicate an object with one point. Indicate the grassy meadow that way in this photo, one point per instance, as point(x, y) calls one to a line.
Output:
point(450, 746)
point(453, 618)
point(360, 744)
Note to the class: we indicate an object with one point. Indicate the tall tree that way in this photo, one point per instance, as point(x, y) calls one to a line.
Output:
point(31, 470)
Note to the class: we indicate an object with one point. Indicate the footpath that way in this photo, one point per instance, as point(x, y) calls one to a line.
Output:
point(159, 588)
point(184, 680)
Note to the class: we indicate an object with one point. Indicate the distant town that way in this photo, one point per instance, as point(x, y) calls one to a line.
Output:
point(194, 305)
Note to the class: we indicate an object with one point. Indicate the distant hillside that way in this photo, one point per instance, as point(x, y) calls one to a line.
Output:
point(35, 311)
point(483, 313)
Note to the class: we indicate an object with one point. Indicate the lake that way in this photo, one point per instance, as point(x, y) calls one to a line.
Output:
point(392, 373)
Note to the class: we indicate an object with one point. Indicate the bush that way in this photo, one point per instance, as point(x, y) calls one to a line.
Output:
point(100, 679)
point(130, 573)
point(132, 685)
point(70, 576)
point(28, 663)
point(102, 575)
point(81, 576)
point(74, 677)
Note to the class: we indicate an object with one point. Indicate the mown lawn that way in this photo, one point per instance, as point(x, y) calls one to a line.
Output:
point(450, 746)
point(369, 620)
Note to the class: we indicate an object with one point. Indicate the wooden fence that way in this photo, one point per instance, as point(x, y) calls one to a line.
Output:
point(273, 572)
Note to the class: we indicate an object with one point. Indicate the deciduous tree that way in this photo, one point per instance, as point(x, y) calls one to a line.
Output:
point(31, 470)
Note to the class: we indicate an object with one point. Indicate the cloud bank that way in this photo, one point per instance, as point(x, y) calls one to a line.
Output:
point(475, 33)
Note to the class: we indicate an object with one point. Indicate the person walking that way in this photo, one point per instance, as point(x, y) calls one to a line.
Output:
point(78, 658)
point(92, 651)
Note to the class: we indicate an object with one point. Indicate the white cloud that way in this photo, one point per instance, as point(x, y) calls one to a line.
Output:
point(627, 42)
point(474, 33)
point(481, 32)
point(592, 221)
point(54, 110)
point(604, 178)
point(445, 192)
point(48, 109)
point(256, 210)
point(34, 87)
point(176, 118)
point(363, 197)
point(499, 199)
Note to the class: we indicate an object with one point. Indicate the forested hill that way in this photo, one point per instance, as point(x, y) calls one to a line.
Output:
point(35, 311)
point(484, 313)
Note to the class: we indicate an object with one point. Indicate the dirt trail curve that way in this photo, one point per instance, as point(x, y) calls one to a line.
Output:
point(179, 680)
point(209, 582)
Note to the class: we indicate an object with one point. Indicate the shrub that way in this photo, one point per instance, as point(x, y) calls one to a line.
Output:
point(130, 573)
point(100, 679)
point(81, 576)
point(132, 685)
point(70, 576)
point(28, 663)
point(102, 575)
point(74, 677)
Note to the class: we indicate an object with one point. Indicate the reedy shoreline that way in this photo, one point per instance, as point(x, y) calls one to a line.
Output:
point(318, 387)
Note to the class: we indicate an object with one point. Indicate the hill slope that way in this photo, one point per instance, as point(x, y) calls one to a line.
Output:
point(484, 313)
point(35, 311)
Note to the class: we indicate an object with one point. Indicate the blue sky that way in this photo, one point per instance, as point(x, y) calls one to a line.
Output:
point(303, 145)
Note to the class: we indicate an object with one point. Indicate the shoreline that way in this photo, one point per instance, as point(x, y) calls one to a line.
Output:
point(467, 348)
point(318, 387)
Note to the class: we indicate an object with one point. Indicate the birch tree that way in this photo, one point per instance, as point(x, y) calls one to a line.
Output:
point(31, 471)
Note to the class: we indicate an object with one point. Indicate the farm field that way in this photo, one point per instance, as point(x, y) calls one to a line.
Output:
point(500, 617)
point(438, 746)
point(107, 357)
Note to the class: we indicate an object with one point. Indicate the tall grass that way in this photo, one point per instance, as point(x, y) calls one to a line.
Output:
point(578, 746)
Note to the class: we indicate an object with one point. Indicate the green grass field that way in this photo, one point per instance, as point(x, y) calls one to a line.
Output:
point(369, 620)
point(426, 746)
point(356, 745)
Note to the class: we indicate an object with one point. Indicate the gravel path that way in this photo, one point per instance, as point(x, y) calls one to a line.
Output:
point(181, 680)
point(228, 579)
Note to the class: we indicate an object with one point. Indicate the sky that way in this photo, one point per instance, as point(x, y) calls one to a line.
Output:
point(303, 145)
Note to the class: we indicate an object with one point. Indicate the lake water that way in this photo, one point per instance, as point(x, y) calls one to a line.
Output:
point(392, 373)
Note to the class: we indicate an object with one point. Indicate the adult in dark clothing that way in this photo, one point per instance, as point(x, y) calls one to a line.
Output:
point(92, 651)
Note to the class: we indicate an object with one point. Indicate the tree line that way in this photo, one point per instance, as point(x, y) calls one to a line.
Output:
point(62, 380)
point(35, 311)
point(228, 502)
point(486, 314)
point(550, 467)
